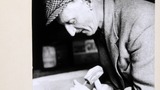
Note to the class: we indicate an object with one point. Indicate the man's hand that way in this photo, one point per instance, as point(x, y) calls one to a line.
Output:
point(78, 86)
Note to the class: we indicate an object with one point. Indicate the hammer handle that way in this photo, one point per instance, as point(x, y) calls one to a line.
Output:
point(98, 84)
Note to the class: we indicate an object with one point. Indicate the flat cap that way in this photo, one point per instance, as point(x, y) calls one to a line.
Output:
point(54, 8)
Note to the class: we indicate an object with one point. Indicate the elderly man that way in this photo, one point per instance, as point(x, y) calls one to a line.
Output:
point(124, 34)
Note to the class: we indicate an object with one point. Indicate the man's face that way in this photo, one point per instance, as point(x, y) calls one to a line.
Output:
point(78, 17)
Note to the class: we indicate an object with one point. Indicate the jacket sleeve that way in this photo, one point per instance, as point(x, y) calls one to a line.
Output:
point(141, 48)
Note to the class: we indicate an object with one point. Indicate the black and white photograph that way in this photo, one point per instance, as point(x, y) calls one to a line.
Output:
point(93, 44)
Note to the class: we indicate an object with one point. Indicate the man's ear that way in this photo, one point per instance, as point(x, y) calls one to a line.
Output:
point(88, 2)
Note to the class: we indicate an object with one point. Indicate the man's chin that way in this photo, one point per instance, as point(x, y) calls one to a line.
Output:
point(87, 33)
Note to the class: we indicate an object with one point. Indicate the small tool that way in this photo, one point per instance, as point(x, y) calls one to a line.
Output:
point(93, 76)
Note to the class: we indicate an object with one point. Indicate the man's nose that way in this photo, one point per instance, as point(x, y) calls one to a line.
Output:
point(71, 30)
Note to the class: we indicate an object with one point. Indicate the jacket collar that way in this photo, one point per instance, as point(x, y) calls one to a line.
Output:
point(111, 33)
point(109, 22)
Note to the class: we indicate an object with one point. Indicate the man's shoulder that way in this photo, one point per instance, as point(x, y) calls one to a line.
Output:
point(134, 17)
point(131, 9)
